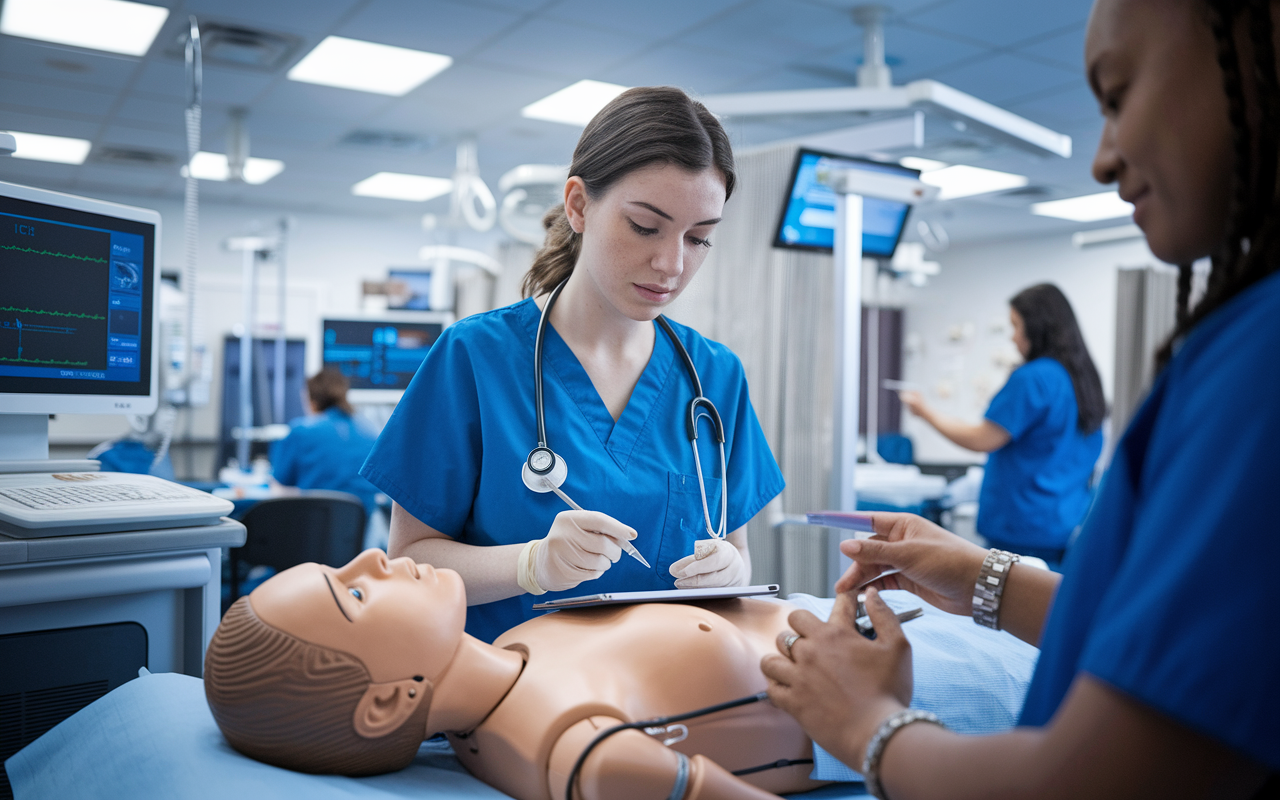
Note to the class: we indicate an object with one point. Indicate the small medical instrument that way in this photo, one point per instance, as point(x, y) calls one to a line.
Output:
point(544, 471)
point(660, 596)
point(627, 547)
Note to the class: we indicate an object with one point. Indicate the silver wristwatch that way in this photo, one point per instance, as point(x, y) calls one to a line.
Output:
point(990, 587)
point(875, 747)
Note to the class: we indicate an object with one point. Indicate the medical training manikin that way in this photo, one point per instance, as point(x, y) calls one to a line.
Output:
point(348, 670)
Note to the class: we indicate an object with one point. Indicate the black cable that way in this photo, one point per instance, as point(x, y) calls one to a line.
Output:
point(655, 723)
point(779, 764)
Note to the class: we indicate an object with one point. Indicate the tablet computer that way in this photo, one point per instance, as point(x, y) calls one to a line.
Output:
point(660, 596)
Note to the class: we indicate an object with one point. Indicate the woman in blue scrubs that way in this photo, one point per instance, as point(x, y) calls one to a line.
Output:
point(646, 188)
point(1043, 430)
point(1159, 671)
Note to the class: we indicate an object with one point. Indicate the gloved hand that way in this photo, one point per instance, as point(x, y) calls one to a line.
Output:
point(580, 546)
point(715, 562)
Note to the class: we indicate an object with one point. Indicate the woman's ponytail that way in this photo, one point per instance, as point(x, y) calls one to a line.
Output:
point(555, 261)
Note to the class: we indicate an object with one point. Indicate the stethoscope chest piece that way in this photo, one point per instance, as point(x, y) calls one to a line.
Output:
point(544, 470)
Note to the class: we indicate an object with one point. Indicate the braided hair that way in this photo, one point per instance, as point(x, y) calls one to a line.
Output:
point(1251, 250)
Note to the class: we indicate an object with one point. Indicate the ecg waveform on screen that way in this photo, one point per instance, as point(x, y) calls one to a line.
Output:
point(51, 313)
point(34, 251)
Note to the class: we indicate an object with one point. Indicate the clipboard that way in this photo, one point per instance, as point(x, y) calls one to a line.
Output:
point(659, 596)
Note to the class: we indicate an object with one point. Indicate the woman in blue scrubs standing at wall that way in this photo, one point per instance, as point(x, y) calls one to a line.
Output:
point(1043, 430)
point(1158, 667)
point(647, 186)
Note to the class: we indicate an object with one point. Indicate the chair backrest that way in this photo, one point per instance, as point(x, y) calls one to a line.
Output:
point(321, 526)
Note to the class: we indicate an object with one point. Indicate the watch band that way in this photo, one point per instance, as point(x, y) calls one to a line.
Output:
point(989, 587)
point(875, 747)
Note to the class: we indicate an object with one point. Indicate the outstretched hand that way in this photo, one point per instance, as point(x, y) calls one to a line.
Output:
point(936, 565)
point(837, 684)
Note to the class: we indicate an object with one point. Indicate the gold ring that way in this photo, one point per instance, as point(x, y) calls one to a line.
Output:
point(790, 639)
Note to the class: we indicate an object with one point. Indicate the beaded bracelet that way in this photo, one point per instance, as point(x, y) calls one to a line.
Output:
point(875, 747)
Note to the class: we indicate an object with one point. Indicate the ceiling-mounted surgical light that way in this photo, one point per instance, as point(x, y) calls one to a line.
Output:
point(574, 105)
point(368, 66)
point(399, 186)
point(214, 167)
point(58, 149)
point(1088, 208)
point(114, 26)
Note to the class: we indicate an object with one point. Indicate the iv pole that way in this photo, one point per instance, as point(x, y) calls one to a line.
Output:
point(850, 187)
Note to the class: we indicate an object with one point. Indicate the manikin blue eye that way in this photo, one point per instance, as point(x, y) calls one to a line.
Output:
point(356, 593)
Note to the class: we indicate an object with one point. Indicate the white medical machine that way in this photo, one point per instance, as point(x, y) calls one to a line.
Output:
point(100, 573)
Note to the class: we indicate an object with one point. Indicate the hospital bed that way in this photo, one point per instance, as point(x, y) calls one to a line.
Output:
point(154, 737)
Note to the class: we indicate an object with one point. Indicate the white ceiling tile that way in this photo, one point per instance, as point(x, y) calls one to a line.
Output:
point(37, 96)
point(57, 64)
point(436, 27)
point(999, 78)
point(1000, 23)
point(658, 18)
point(693, 69)
point(549, 47)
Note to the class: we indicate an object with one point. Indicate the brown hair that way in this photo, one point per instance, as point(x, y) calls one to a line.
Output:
point(642, 126)
point(287, 702)
point(328, 389)
point(1251, 250)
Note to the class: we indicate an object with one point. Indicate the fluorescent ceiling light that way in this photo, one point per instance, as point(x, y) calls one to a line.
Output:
point(574, 105)
point(213, 167)
point(115, 26)
point(922, 164)
point(398, 186)
point(964, 181)
point(60, 149)
point(368, 67)
point(1089, 208)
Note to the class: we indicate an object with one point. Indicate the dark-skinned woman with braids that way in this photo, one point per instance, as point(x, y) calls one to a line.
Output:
point(1159, 671)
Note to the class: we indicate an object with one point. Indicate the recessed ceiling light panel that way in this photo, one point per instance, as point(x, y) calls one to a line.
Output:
point(399, 186)
point(1089, 208)
point(368, 67)
point(213, 167)
point(574, 105)
point(115, 26)
point(965, 181)
point(59, 149)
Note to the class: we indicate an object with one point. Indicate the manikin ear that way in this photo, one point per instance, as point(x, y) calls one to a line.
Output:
point(385, 706)
point(575, 203)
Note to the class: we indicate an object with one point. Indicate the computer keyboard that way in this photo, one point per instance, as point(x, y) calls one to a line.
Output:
point(37, 505)
point(74, 495)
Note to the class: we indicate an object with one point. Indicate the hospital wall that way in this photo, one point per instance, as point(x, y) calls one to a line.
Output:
point(957, 326)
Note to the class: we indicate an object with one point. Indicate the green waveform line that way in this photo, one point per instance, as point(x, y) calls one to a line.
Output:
point(52, 253)
point(73, 315)
point(49, 362)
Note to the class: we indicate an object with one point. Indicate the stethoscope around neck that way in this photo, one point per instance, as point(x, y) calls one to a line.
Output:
point(544, 471)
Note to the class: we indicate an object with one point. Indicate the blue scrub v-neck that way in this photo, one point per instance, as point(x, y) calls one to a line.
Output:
point(618, 438)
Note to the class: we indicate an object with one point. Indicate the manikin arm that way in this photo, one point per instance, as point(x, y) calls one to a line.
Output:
point(631, 765)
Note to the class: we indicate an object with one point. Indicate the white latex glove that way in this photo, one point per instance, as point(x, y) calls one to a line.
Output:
point(715, 562)
point(580, 546)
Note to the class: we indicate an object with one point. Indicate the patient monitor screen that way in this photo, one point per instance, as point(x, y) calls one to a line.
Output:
point(75, 301)
point(378, 354)
point(809, 217)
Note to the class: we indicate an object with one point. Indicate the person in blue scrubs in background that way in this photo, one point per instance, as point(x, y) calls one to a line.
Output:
point(1159, 668)
point(326, 449)
point(1043, 430)
point(646, 188)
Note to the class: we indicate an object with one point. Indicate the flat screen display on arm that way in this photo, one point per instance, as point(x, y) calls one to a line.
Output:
point(809, 215)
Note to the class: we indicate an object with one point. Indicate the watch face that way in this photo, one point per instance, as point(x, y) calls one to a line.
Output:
point(540, 461)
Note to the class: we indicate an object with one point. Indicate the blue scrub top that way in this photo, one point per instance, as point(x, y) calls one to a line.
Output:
point(1170, 594)
point(325, 451)
point(452, 452)
point(1035, 490)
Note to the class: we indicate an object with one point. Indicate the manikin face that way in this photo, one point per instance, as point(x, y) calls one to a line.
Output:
point(1166, 140)
point(401, 619)
point(644, 239)
point(1019, 337)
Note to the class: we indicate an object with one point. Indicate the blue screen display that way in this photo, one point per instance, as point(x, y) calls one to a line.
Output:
point(376, 354)
point(809, 219)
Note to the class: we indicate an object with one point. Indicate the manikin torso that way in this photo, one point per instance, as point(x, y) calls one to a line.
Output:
point(584, 664)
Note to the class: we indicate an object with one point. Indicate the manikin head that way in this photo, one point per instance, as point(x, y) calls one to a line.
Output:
point(333, 670)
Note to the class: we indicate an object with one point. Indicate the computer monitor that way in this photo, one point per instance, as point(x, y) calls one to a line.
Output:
point(380, 355)
point(78, 286)
point(808, 218)
point(418, 287)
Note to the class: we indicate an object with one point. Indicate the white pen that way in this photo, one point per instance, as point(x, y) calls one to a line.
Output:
point(627, 547)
